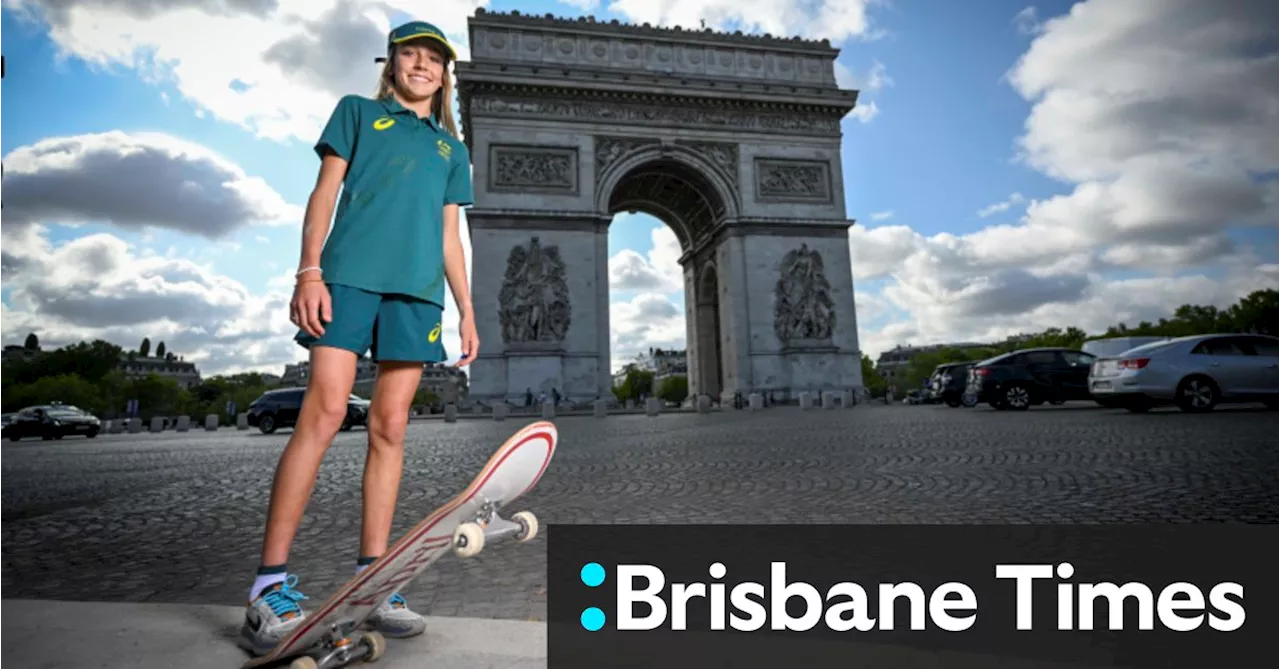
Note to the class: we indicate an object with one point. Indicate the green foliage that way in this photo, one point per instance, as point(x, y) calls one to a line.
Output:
point(636, 384)
point(88, 375)
point(1256, 312)
point(425, 397)
point(674, 388)
point(871, 379)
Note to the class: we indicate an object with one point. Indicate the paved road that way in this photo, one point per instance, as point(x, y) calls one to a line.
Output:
point(177, 517)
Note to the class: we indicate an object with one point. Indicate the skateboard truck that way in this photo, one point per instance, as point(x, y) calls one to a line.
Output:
point(470, 537)
point(338, 648)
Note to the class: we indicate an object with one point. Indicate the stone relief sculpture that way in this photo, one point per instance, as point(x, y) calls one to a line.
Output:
point(533, 304)
point(803, 309)
point(654, 111)
point(610, 149)
point(787, 179)
point(536, 169)
point(722, 155)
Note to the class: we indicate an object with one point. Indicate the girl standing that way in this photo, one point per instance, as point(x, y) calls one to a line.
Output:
point(377, 284)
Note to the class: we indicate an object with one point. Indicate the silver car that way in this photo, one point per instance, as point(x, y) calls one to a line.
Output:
point(1192, 373)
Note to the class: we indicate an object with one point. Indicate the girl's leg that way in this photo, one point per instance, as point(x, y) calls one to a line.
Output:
point(333, 372)
point(393, 393)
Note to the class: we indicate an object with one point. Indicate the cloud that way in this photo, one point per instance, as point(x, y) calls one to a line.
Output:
point(1003, 206)
point(836, 20)
point(647, 320)
point(136, 181)
point(881, 215)
point(659, 272)
point(99, 286)
point(291, 59)
point(1027, 21)
point(1161, 121)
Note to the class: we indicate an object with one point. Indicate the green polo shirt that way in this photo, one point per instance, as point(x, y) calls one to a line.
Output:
point(387, 234)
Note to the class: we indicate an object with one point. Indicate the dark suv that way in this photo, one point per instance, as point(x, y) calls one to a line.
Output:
point(948, 382)
point(280, 408)
point(1021, 379)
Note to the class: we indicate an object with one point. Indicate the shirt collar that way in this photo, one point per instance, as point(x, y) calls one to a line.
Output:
point(393, 106)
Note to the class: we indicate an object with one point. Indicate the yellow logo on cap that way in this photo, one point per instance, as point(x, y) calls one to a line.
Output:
point(383, 123)
point(435, 334)
point(445, 150)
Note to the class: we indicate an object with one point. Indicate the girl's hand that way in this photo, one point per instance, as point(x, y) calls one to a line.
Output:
point(470, 340)
point(311, 303)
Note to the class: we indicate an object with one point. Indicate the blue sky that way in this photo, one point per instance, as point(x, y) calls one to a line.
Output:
point(941, 146)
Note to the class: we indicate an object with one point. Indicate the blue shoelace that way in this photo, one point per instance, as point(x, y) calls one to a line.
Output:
point(397, 600)
point(284, 601)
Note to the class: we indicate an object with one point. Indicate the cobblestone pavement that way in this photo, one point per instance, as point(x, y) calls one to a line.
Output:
point(178, 517)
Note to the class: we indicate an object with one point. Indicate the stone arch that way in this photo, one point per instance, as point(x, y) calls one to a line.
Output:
point(653, 164)
point(707, 367)
point(740, 154)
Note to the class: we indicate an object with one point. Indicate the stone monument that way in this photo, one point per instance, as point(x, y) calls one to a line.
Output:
point(731, 140)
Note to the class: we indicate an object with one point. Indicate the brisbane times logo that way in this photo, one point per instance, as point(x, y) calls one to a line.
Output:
point(643, 599)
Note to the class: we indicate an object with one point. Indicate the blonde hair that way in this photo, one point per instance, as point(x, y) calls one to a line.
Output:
point(441, 102)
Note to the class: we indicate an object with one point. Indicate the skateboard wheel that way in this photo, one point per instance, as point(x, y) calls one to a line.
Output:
point(304, 662)
point(376, 643)
point(528, 523)
point(468, 539)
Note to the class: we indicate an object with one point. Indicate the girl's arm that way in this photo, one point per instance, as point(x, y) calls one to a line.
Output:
point(311, 306)
point(455, 265)
point(315, 227)
point(455, 270)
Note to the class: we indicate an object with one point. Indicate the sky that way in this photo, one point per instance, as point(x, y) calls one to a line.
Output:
point(1011, 165)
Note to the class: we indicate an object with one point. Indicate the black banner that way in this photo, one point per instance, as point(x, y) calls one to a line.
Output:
point(816, 596)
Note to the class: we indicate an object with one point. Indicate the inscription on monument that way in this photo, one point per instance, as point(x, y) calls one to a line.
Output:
point(531, 168)
point(804, 314)
point(533, 305)
point(783, 179)
point(662, 111)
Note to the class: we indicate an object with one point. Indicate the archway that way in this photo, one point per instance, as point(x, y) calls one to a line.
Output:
point(671, 184)
point(732, 141)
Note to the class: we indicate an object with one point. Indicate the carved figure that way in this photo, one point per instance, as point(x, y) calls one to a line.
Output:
point(803, 308)
point(533, 305)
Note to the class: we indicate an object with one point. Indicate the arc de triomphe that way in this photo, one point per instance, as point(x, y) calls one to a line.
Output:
point(733, 141)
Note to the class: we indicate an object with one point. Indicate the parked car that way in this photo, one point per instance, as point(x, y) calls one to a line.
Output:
point(1113, 346)
point(1024, 378)
point(280, 408)
point(1193, 373)
point(948, 382)
point(52, 421)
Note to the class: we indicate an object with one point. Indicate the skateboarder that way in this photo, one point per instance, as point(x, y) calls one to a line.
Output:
point(377, 284)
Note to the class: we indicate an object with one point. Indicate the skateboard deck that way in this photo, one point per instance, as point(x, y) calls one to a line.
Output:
point(330, 637)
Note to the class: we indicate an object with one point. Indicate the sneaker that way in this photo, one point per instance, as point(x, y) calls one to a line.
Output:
point(271, 616)
point(394, 619)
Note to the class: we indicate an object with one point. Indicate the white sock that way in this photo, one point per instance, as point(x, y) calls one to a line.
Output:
point(264, 581)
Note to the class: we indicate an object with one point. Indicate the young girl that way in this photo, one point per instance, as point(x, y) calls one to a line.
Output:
point(378, 284)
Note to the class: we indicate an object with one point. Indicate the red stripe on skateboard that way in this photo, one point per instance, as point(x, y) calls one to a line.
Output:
point(406, 542)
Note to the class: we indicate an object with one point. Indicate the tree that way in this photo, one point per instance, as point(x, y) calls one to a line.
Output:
point(674, 388)
point(160, 350)
point(636, 384)
point(1257, 312)
point(871, 379)
point(145, 349)
point(32, 342)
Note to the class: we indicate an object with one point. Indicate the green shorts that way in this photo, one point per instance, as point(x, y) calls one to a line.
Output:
point(394, 327)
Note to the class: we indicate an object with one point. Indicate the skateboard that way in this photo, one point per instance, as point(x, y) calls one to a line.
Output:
point(331, 637)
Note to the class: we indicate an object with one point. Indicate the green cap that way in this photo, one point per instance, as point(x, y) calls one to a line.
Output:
point(417, 30)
